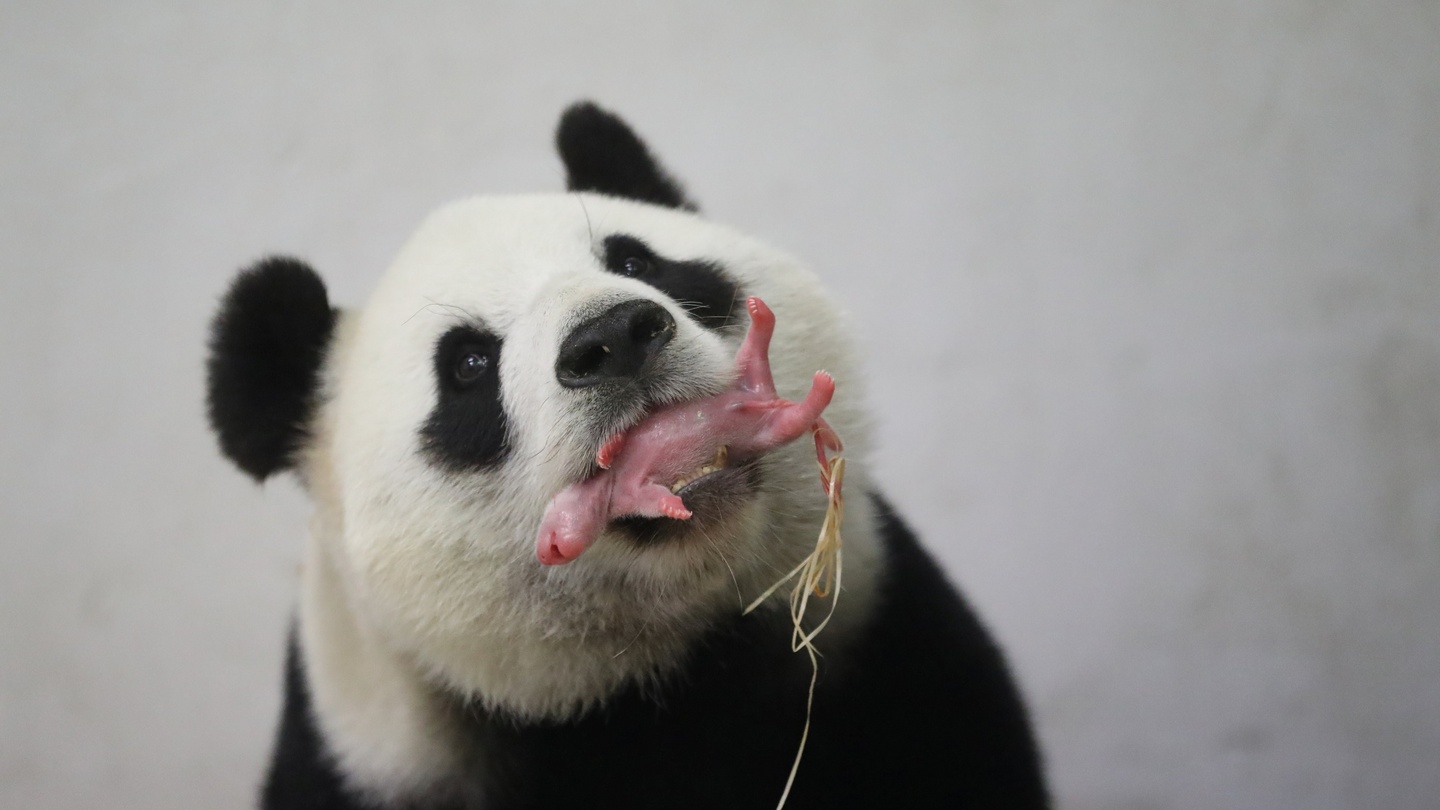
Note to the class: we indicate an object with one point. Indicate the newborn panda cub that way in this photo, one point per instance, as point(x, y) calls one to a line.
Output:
point(561, 448)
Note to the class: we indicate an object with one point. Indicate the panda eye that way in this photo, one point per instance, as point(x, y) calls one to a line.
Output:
point(634, 267)
point(471, 366)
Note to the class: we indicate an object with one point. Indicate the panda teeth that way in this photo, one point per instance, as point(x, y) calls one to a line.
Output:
point(720, 462)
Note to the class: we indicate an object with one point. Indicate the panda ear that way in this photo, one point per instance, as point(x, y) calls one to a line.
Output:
point(266, 345)
point(601, 153)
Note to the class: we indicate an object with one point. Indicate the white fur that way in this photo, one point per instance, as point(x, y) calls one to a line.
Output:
point(419, 576)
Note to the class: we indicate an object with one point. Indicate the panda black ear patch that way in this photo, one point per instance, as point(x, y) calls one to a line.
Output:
point(602, 154)
point(266, 345)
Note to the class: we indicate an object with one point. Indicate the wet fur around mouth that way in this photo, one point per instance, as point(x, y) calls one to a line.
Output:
point(711, 499)
point(618, 407)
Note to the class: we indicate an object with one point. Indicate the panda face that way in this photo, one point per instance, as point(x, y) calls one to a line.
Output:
point(449, 384)
point(434, 424)
point(447, 427)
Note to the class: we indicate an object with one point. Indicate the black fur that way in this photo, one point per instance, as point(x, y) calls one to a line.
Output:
point(920, 713)
point(266, 345)
point(702, 288)
point(467, 429)
point(301, 774)
point(602, 154)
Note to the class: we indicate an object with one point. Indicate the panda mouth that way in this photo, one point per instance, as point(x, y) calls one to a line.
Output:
point(712, 495)
point(720, 462)
point(688, 461)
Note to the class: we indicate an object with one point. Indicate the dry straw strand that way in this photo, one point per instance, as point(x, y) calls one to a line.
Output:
point(819, 575)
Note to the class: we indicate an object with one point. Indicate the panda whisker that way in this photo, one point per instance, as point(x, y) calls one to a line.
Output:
point(463, 314)
point(710, 541)
point(416, 312)
point(589, 229)
point(730, 313)
point(631, 642)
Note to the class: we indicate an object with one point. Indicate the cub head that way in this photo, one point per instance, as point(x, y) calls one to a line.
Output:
point(509, 339)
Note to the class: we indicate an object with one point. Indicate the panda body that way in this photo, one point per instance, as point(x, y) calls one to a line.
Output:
point(437, 663)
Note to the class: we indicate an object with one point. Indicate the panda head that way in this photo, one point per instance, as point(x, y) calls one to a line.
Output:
point(433, 425)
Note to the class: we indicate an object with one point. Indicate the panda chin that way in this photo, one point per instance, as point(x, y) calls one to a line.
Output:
point(713, 499)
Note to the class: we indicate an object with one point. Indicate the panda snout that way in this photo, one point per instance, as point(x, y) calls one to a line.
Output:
point(615, 345)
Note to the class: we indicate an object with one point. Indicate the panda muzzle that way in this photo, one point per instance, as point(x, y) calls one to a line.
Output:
point(643, 469)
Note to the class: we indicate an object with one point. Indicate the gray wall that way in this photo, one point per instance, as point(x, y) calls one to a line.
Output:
point(1149, 291)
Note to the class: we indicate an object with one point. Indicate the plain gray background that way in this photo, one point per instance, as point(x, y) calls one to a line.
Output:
point(1149, 294)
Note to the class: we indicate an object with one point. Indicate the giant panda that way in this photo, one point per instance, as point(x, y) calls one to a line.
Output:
point(441, 658)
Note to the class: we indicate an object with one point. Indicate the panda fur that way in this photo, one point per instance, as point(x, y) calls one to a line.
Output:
point(435, 663)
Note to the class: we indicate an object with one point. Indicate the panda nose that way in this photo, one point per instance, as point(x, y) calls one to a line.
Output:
point(614, 345)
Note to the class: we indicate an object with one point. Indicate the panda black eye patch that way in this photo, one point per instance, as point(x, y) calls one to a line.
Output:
point(467, 429)
point(701, 288)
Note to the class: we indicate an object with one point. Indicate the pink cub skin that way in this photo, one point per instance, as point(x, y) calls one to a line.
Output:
point(639, 465)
